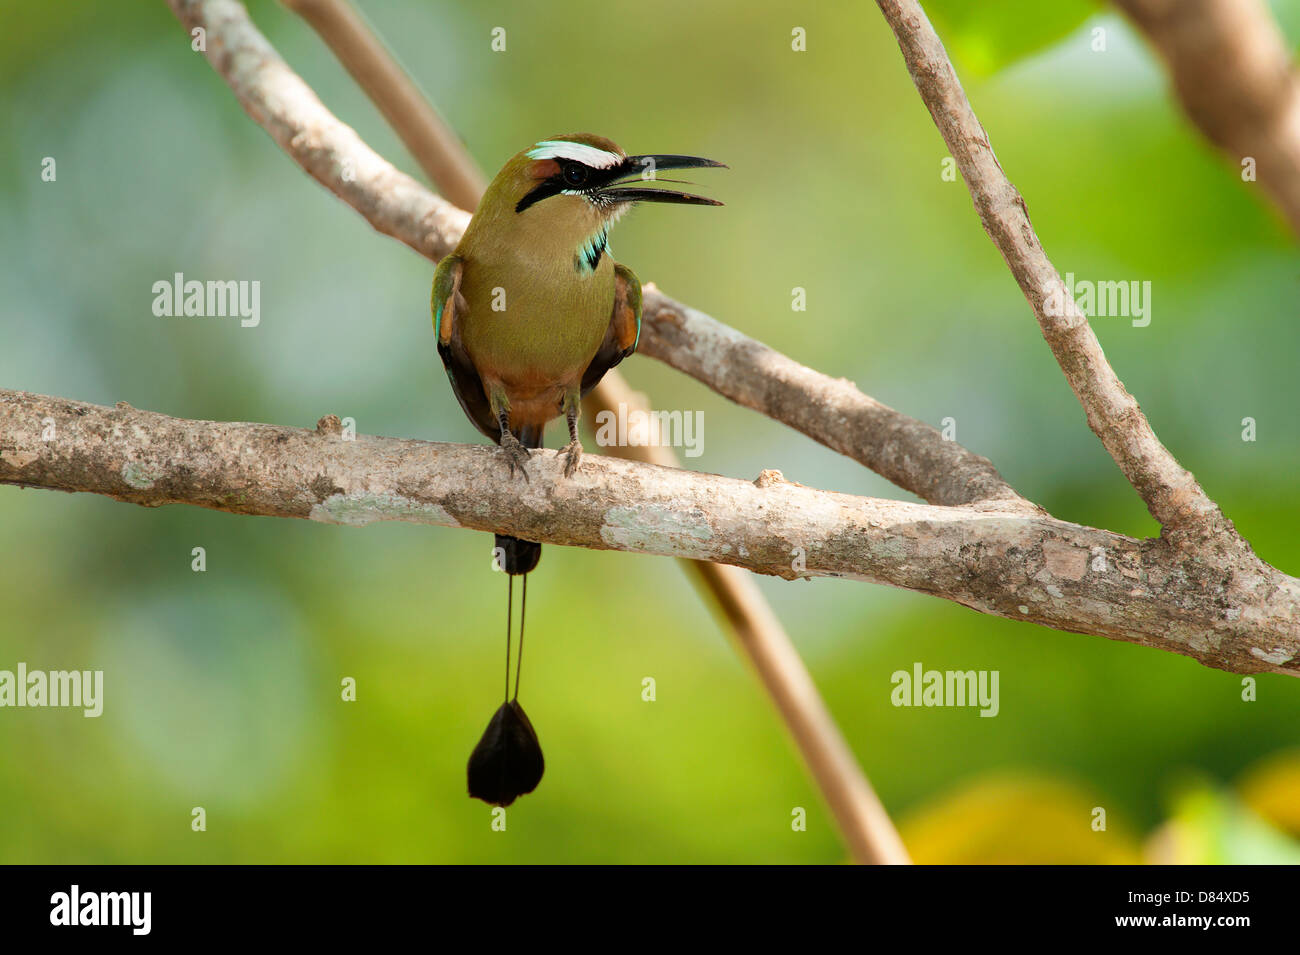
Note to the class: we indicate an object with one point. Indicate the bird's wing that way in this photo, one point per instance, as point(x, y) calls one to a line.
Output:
point(449, 309)
point(624, 328)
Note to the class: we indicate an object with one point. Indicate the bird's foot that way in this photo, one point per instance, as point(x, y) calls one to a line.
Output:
point(572, 455)
point(516, 454)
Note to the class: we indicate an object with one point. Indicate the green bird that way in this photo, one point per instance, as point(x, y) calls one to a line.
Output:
point(530, 312)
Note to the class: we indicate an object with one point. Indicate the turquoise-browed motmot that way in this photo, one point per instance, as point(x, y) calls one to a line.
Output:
point(530, 312)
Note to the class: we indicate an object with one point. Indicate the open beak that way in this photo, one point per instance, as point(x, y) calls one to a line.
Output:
point(642, 169)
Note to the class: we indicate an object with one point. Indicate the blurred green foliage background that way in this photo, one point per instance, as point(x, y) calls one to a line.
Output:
point(222, 688)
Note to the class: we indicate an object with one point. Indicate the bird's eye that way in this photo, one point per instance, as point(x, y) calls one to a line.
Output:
point(575, 174)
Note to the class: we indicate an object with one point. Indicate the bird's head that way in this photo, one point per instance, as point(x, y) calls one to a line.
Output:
point(594, 171)
point(577, 186)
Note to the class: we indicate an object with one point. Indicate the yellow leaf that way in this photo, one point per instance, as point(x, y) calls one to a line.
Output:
point(1016, 820)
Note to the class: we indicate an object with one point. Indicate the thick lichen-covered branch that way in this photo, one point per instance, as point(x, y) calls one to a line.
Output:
point(1227, 610)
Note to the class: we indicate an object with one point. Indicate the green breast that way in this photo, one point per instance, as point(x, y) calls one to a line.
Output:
point(534, 320)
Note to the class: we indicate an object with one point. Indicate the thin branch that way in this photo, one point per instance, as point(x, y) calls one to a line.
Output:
point(832, 411)
point(898, 447)
point(1224, 608)
point(1169, 490)
point(430, 140)
point(277, 99)
point(868, 831)
point(1235, 78)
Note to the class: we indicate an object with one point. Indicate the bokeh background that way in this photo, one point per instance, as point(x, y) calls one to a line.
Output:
point(223, 686)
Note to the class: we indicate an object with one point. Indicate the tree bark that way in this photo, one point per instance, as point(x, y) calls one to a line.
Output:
point(1224, 608)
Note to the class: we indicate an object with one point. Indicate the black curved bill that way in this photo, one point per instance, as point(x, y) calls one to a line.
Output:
point(635, 194)
point(637, 169)
point(638, 164)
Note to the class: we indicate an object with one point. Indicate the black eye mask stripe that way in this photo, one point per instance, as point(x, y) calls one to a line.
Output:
point(549, 187)
point(553, 186)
